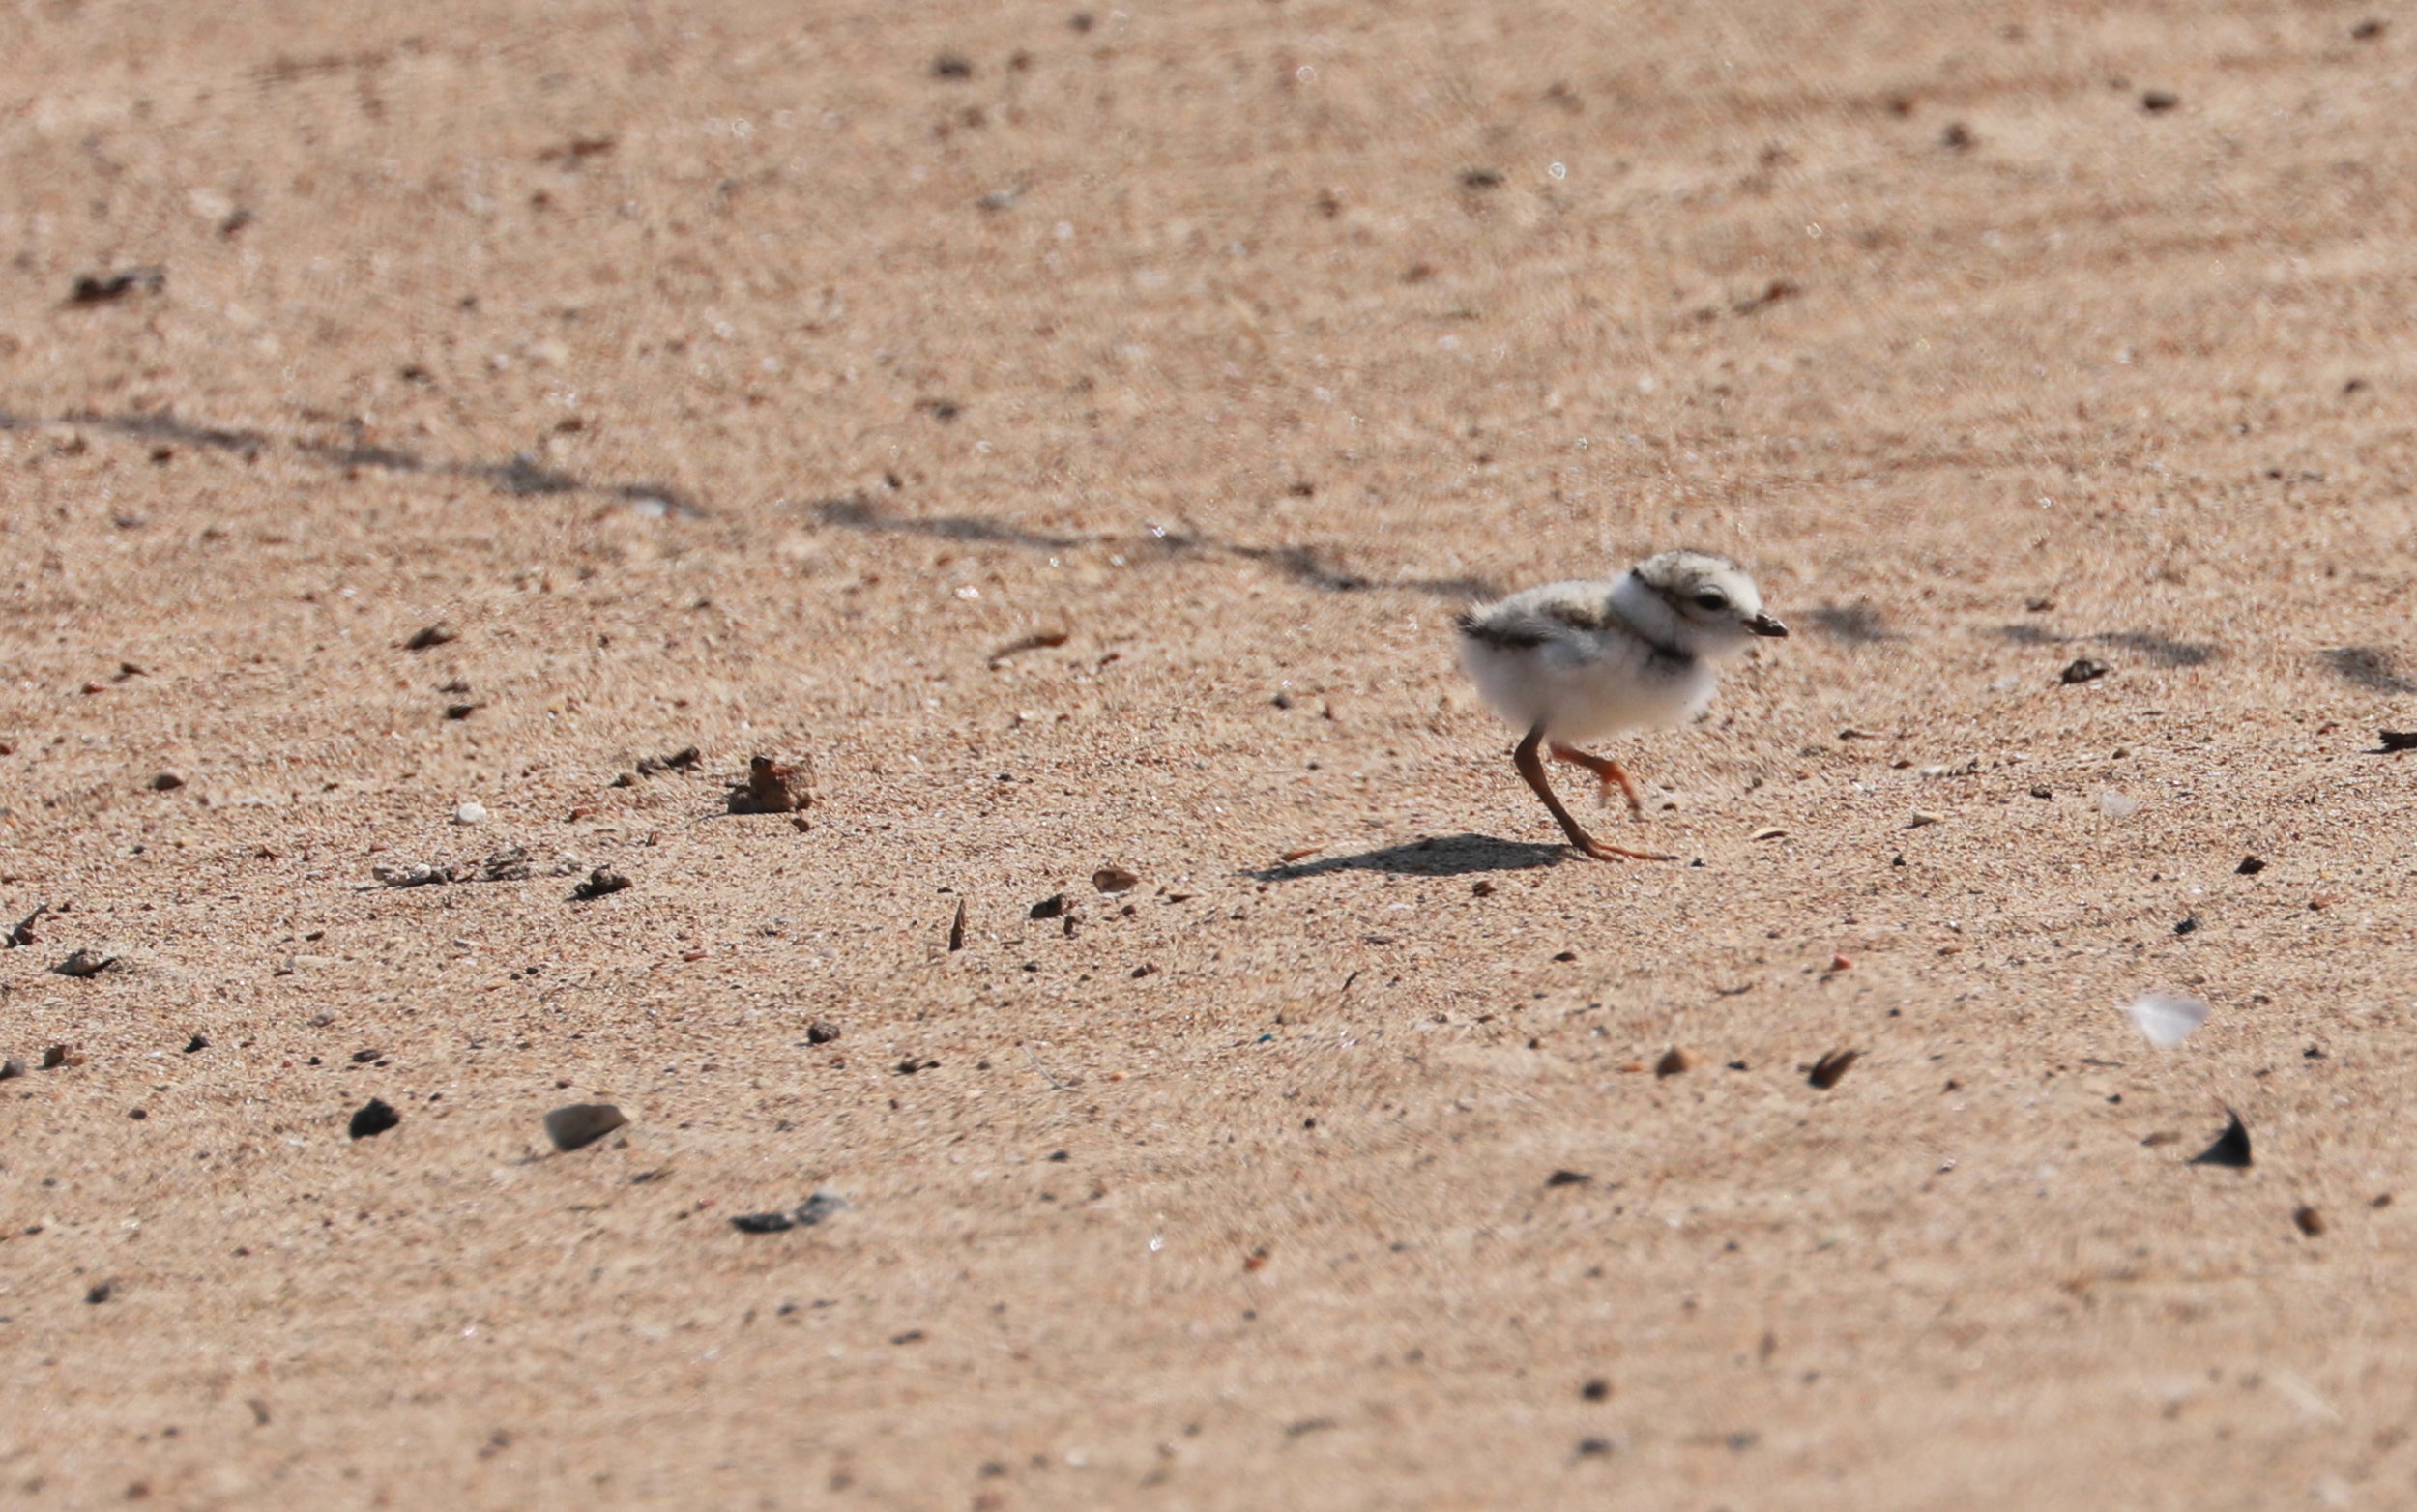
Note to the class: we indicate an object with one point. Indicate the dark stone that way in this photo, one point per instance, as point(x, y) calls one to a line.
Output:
point(582, 1123)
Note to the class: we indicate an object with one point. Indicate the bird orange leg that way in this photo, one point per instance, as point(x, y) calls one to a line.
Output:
point(1607, 772)
point(1531, 767)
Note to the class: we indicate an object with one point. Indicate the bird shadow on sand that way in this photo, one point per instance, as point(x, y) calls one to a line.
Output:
point(1438, 855)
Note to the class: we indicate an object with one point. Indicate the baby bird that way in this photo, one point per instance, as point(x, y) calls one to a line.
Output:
point(1572, 662)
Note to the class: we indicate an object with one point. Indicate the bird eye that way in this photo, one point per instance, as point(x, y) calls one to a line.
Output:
point(1711, 600)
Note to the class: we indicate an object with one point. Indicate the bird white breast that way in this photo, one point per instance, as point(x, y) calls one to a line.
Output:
point(1585, 687)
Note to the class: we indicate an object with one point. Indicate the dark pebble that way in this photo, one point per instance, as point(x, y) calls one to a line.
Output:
point(2230, 1149)
point(373, 1117)
point(600, 883)
point(582, 1123)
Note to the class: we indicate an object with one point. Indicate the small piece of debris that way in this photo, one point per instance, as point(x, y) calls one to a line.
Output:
point(2188, 926)
point(1038, 640)
point(12, 1068)
point(822, 1031)
point(1830, 1068)
point(2117, 805)
point(2043, 792)
point(461, 711)
point(93, 288)
point(100, 1293)
point(914, 1064)
point(1592, 1448)
point(373, 1117)
point(165, 782)
point(805, 1215)
point(2396, 741)
point(582, 1123)
point(432, 636)
point(2163, 1019)
point(1564, 955)
point(1674, 1061)
point(1597, 1389)
point(957, 928)
point(56, 1056)
point(2162, 1137)
point(2230, 1149)
point(470, 814)
point(85, 963)
point(680, 760)
point(1567, 1179)
point(775, 787)
point(196, 1044)
point(951, 64)
point(416, 875)
point(2083, 670)
point(1481, 887)
point(509, 864)
point(600, 882)
point(1838, 963)
point(1480, 177)
point(2310, 1222)
point(1113, 880)
point(1768, 835)
point(1771, 294)
point(2156, 102)
point(21, 933)
point(2367, 30)
point(1957, 138)
point(1049, 906)
point(2250, 866)
point(1923, 817)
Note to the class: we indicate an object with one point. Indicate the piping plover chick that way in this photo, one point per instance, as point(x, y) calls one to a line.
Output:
point(1572, 662)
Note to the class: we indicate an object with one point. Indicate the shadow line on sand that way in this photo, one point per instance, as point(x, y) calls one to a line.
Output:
point(1307, 566)
point(521, 475)
point(1437, 856)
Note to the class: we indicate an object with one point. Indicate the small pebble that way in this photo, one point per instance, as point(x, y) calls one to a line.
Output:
point(2310, 1222)
point(85, 963)
point(372, 1117)
point(1927, 816)
point(470, 814)
point(1830, 1068)
point(166, 782)
point(1674, 1061)
point(600, 883)
point(1113, 880)
point(582, 1123)
point(822, 1031)
point(2230, 1149)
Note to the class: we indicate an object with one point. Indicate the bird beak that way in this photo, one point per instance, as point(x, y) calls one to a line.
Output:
point(1765, 624)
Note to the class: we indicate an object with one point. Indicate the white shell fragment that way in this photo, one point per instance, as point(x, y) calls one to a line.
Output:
point(2166, 1020)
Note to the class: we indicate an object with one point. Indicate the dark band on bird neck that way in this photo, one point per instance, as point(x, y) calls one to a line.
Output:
point(1662, 650)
